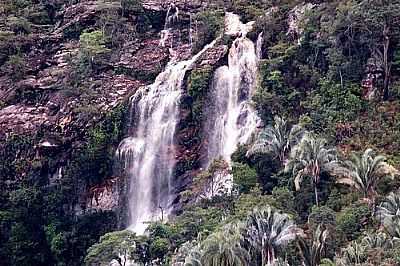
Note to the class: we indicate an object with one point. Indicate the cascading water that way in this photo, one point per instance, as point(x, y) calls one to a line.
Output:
point(232, 120)
point(148, 153)
point(171, 17)
point(259, 45)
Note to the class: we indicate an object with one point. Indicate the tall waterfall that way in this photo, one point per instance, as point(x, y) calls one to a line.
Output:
point(148, 153)
point(232, 120)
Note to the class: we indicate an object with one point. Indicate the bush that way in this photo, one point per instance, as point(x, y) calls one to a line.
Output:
point(18, 24)
point(159, 248)
point(92, 46)
point(244, 177)
point(15, 67)
point(352, 220)
point(198, 82)
point(284, 198)
point(332, 104)
point(250, 10)
point(323, 216)
point(130, 5)
point(211, 25)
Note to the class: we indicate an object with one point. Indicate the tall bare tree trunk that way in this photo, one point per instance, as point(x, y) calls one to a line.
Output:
point(316, 194)
point(387, 67)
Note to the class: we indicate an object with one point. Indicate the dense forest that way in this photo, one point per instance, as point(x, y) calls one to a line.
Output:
point(315, 184)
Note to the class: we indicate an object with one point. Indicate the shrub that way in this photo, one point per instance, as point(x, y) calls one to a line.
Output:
point(130, 5)
point(15, 67)
point(211, 25)
point(250, 10)
point(197, 88)
point(284, 198)
point(322, 215)
point(352, 220)
point(332, 104)
point(92, 46)
point(244, 177)
point(159, 248)
point(18, 24)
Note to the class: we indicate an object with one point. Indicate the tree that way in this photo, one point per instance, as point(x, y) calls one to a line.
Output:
point(188, 254)
point(311, 158)
point(121, 246)
point(216, 180)
point(266, 231)
point(223, 248)
point(363, 172)
point(312, 251)
point(378, 22)
point(277, 139)
point(365, 250)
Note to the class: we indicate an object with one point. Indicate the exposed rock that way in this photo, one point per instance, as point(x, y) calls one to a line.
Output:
point(296, 17)
point(19, 119)
point(148, 58)
point(212, 56)
point(373, 76)
point(183, 5)
point(82, 15)
point(104, 197)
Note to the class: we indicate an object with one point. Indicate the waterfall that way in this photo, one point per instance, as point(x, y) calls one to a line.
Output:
point(171, 18)
point(148, 153)
point(259, 45)
point(231, 119)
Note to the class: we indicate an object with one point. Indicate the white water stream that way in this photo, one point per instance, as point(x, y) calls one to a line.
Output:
point(232, 119)
point(148, 153)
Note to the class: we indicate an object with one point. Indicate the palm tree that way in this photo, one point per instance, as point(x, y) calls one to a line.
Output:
point(277, 139)
point(194, 258)
point(327, 262)
point(393, 229)
point(223, 248)
point(390, 207)
point(378, 240)
point(312, 252)
point(266, 231)
point(188, 254)
point(357, 252)
point(354, 254)
point(363, 172)
point(311, 158)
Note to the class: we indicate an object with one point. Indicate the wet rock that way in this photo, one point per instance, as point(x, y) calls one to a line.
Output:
point(104, 197)
point(213, 56)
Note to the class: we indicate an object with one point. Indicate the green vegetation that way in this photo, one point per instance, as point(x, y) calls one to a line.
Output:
point(198, 84)
point(211, 23)
point(92, 46)
point(15, 67)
